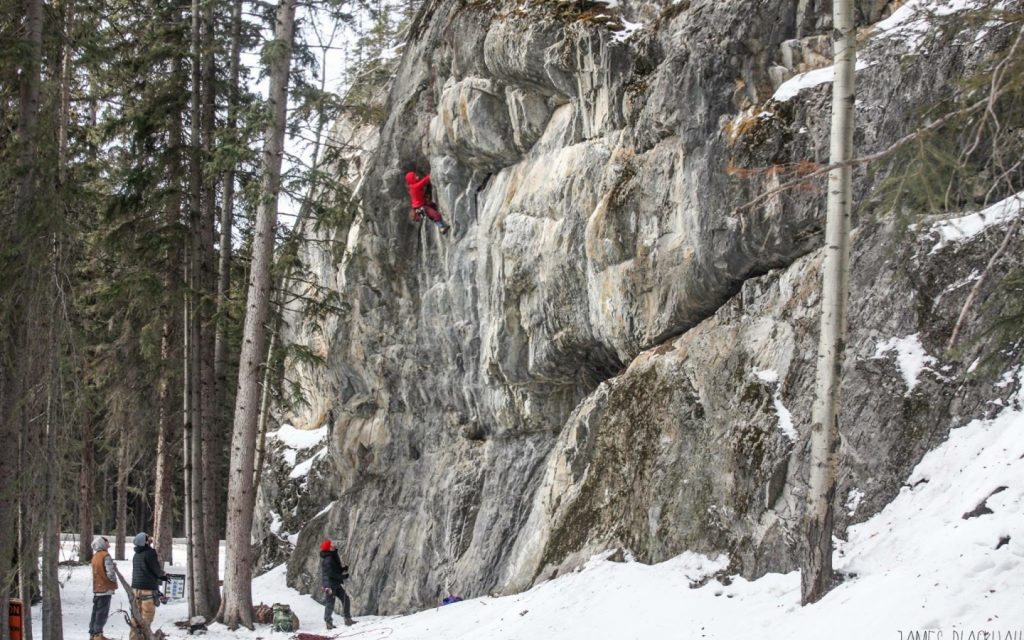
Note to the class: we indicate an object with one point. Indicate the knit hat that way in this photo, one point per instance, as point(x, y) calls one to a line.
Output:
point(140, 539)
point(100, 544)
point(326, 545)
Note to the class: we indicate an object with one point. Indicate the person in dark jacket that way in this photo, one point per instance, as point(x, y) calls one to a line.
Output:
point(421, 205)
point(332, 576)
point(147, 574)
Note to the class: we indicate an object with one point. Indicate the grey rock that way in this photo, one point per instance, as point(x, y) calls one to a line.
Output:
point(575, 367)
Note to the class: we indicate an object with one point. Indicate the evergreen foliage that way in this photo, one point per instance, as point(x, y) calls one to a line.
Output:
point(969, 152)
point(95, 237)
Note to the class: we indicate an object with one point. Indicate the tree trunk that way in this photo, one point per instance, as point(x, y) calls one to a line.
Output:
point(28, 111)
point(197, 537)
point(190, 583)
point(28, 481)
point(86, 491)
point(163, 517)
point(211, 427)
point(227, 210)
point(816, 571)
point(261, 426)
point(9, 512)
point(51, 609)
point(163, 498)
point(28, 553)
point(237, 607)
point(224, 265)
point(64, 118)
point(12, 378)
point(133, 606)
point(121, 520)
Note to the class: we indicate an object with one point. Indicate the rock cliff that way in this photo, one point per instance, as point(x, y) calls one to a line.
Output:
point(610, 349)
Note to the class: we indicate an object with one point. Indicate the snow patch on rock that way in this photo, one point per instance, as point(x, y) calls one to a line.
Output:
point(911, 358)
point(966, 227)
point(771, 377)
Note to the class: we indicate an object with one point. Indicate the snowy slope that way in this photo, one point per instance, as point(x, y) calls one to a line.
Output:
point(934, 559)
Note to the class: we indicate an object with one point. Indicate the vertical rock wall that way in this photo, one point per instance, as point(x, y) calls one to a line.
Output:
point(595, 357)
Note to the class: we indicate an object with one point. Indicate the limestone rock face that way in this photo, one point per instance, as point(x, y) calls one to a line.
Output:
point(610, 349)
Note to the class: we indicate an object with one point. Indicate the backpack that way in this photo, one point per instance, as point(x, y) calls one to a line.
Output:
point(263, 614)
point(284, 619)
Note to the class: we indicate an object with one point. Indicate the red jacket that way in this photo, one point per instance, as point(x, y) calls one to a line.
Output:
point(417, 189)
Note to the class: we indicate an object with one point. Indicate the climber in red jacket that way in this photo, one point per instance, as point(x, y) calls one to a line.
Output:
point(420, 203)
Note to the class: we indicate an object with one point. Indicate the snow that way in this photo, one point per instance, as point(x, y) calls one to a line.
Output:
point(1007, 378)
point(853, 499)
point(771, 377)
point(275, 523)
point(924, 566)
point(302, 469)
point(910, 357)
point(792, 87)
point(966, 227)
point(298, 439)
point(910, 24)
point(627, 30)
point(329, 506)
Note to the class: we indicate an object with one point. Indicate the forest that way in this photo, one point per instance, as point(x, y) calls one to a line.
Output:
point(147, 187)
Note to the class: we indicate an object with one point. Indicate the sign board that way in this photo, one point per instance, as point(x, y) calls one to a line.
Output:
point(175, 589)
point(15, 611)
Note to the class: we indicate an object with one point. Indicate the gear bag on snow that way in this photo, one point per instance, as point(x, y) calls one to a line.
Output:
point(284, 619)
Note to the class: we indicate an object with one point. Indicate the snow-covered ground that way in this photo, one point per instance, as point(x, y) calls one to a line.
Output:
point(944, 561)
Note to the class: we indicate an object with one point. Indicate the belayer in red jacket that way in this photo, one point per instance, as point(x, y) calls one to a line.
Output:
point(421, 205)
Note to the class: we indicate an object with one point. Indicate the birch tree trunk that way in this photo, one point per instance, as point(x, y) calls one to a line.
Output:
point(816, 574)
point(237, 607)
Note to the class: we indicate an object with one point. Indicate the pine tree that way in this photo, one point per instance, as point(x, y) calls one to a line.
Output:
point(241, 493)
